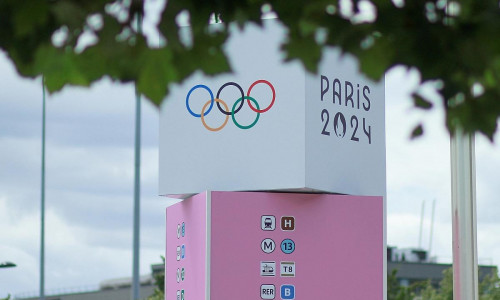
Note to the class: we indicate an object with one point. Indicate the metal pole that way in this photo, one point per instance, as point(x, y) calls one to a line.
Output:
point(137, 189)
point(42, 204)
point(137, 192)
point(463, 192)
point(432, 228)
point(421, 225)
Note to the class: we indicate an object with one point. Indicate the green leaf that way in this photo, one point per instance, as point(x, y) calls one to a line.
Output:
point(59, 68)
point(69, 13)
point(207, 53)
point(417, 131)
point(305, 49)
point(421, 102)
point(377, 59)
point(30, 15)
point(156, 72)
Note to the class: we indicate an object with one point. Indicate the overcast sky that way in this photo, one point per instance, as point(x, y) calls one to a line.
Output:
point(89, 182)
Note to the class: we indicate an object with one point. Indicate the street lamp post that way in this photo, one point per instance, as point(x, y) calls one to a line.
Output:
point(42, 202)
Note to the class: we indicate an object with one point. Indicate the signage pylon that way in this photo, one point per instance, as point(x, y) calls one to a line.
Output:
point(230, 245)
point(278, 145)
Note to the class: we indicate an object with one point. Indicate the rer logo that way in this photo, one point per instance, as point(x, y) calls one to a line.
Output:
point(178, 253)
point(237, 106)
point(287, 292)
point(268, 245)
point(287, 223)
point(267, 291)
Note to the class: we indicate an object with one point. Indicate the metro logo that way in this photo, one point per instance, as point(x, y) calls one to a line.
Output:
point(268, 245)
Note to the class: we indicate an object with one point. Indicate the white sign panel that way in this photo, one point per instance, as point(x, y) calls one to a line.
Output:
point(273, 126)
point(345, 129)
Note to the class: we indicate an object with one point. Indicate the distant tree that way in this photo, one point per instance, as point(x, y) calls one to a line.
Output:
point(159, 292)
point(427, 292)
point(453, 44)
point(445, 291)
point(395, 291)
point(489, 288)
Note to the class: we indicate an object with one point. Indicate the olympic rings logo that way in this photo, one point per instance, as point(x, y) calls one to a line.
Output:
point(238, 104)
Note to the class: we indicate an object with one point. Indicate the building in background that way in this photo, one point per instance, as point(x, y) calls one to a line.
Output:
point(412, 265)
point(113, 289)
point(415, 265)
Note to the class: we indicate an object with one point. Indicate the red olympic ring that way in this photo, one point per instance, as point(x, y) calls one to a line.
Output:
point(272, 101)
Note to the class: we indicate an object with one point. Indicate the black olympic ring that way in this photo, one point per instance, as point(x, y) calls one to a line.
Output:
point(228, 113)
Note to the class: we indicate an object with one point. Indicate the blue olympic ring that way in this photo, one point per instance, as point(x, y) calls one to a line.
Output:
point(211, 99)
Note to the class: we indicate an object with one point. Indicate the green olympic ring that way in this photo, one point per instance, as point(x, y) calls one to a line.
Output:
point(234, 108)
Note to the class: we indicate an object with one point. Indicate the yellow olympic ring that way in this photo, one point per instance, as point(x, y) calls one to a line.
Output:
point(203, 113)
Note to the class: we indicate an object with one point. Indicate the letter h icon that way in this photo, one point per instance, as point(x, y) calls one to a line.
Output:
point(288, 223)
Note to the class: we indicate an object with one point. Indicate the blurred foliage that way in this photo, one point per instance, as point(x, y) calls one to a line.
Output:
point(159, 292)
point(489, 288)
point(454, 44)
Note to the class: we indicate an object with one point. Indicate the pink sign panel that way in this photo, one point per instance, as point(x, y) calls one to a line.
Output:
point(186, 253)
point(256, 245)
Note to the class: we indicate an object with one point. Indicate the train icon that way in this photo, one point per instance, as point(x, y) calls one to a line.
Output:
point(268, 223)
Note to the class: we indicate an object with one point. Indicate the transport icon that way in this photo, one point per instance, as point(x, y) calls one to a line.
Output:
point(268, 223)
point(267, 268)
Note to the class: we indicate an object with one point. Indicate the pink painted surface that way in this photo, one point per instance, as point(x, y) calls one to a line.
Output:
point(192, 212)
point(338, 245)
